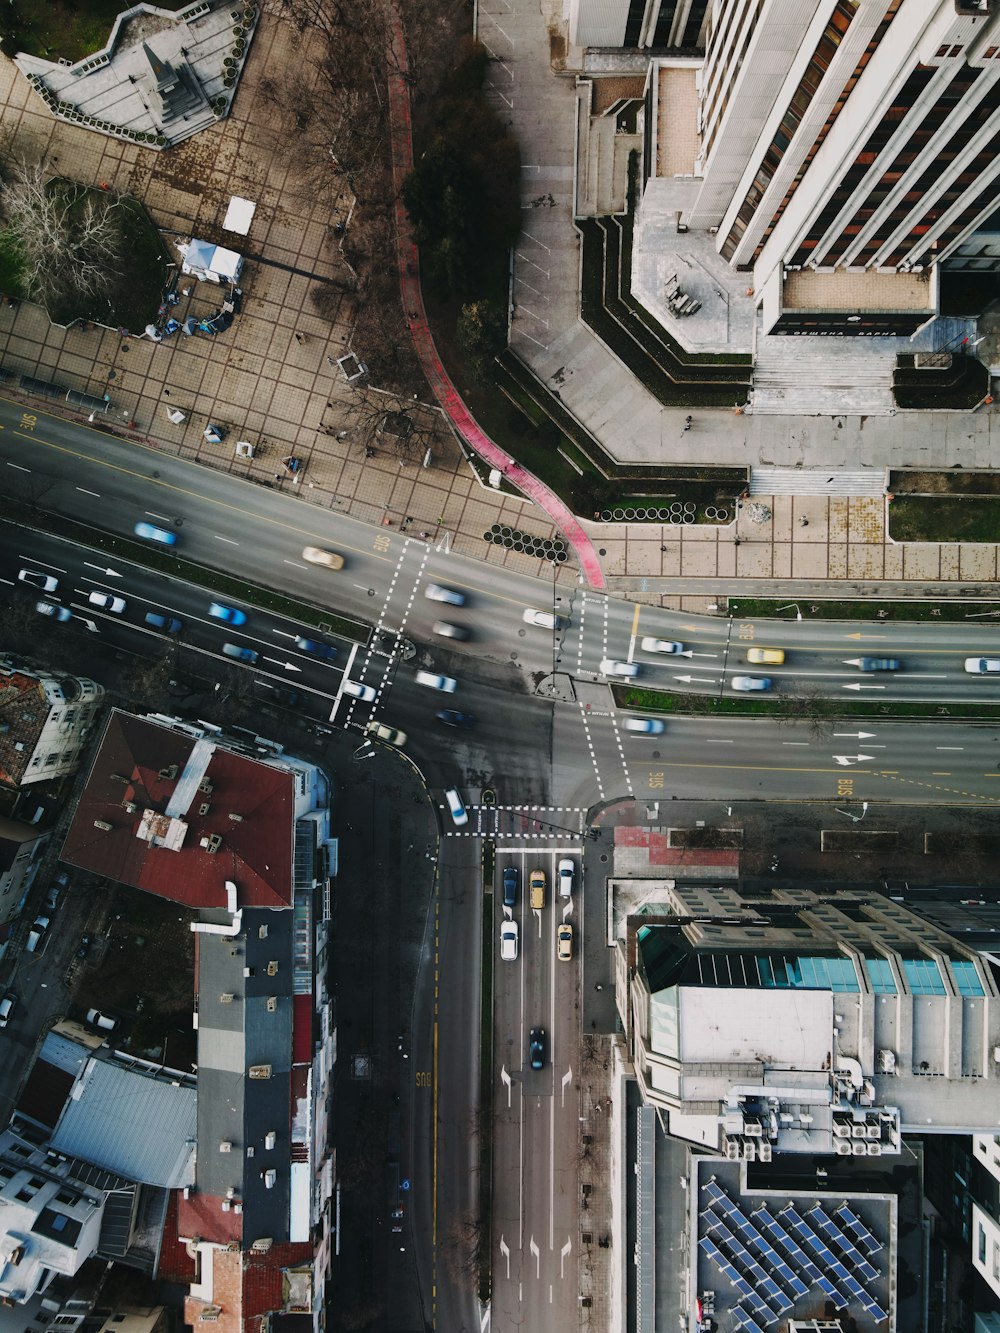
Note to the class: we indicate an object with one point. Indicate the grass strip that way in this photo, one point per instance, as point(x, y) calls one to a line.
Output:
point(219, 584)
point(763, 608)
point(485, 1117)
point(795, 708)
point(945, 518)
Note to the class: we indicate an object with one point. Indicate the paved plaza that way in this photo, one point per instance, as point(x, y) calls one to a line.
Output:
point(272, 377)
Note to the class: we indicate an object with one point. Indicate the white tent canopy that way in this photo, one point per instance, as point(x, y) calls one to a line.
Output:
point(210, 262)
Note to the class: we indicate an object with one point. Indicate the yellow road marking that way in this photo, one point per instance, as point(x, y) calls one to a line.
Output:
point(635, 620)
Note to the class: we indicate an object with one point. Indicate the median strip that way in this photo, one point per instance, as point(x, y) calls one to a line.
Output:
point(796, 707)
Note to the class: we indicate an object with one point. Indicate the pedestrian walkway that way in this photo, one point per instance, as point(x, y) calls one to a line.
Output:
point(811, 481)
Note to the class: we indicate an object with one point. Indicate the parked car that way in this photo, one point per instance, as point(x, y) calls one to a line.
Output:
point(168, 624)
point(644, 726)
point(37, 934)
point(510, 886)
point(37, 579)
point(7, 1008)
point(536, 889)
point(565, 873)
point(982, 666)
point(107, 601)
point(446, 630)
point(154, 534)
point(317, 556)
point(103, 1021)
point(458, 811)
point(879, 664)
point(660, 646)
point(436, 593)
point(434, 682)
point(451, 717)
point(748, 684)
point(564, 942)
point(392, 735)
point(52, 897)
point(536, 1048)
point(358, 691)
point(324, 650)
point(240, 653)
point(52, 609)
point(766, 656)
point(609, 667)
point(508, 941)
point(543, 619)
point(83, 948)
point(229, 614)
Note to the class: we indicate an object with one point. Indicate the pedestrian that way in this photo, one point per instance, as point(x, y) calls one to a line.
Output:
point(166, 393)
point(330, 362)
point(803, 522)
point(299, 339)
point(598, 986)
point(663, 548)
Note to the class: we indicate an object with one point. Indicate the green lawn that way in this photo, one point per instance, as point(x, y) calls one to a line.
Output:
point(67, 29)
point(945, 518)
point(760, 608)
point(791, 707)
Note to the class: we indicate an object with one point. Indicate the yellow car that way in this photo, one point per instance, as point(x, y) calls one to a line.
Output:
point(536, 887)
point(766, 656)
point(564, 943)
point(317, 556)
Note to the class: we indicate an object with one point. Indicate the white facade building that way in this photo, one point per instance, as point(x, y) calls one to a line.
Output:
point(45, 723)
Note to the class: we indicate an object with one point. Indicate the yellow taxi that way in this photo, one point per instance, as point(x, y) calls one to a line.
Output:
point(766, 656)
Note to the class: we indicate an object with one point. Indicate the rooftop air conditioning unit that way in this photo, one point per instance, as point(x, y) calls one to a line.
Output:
point(225, 1146)
point(732, 1149)
point(237, 819)
point(874, 1150)
point(168, 774)
point(261, 1246)
point(226, 998)
point(765, 1152)
point(129, 807)
point(204, 808)
point(886, 1062)
point(753, 1129)
point(259, 1071)
point(103, 825)
point(843, 1148)
point(272, 968)
point(750, 1149)
point(859, 1149)
point(205, 786)
point(211, 844)
point(840, 1130)
point(270, 1177)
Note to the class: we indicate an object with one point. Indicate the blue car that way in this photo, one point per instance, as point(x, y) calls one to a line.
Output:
point(169, 624)
point(323, 650)
point(154, 534)
point(451, 717)
point(240, 653)
point(227, 613)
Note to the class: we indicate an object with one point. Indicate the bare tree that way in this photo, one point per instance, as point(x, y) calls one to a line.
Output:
point(69, 241)
point(387, 423)
point(464, 1248)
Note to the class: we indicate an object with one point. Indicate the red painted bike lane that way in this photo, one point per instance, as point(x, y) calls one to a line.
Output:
point(423, 342)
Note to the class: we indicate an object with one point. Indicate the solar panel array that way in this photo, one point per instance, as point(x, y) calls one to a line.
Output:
point(763, 1259)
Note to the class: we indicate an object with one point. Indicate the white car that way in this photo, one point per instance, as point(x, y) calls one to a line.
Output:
point(317, 556)
point(982, 666)
point(359, 691)
point(458, 811)
point(543, 619)
point(565, 872)
point(508, 941)
point(446, 683)
point(660, 646)
point(644, 726)
point(391, 735)
point(748, 684)
point(435, 593)
point(609, 667)
point(47, 582)
point(107, 601)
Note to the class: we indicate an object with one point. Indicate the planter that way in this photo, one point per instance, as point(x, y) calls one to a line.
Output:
point(228, 81)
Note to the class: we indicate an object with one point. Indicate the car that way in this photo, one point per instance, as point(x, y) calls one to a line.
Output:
point(47, 582)
point(83, 948)
point(168, 624)
point(229, 614)
point(766, 656)
point(982, 666)
point(543, 619)
point(565, 872)
point(660, 646)
point(62, 879)
point(240, 653)
point(564, 943)
point(324, 650)
point(446, 630)
point(37, 934)
point(7, 1008)
point(434, 592)
point(103, 1021)
point(51, 609)
point(508, 941)
point(509, 886)
point(609, 667)
point(358, 691)
point(154, 534)
point(536, 889)
point(451, 717)
point(536, 1048)
point(52, 897)
point(879, 664)
point(107, 601)
point(458, 811)
point(285, 695)
point(433, 682)
point(392, 735)
point(644, 726)
point(317, 556)
point(748, 684)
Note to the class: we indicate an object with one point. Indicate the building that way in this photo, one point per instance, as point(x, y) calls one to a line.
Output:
point(21, 847)
point(802, 1023)
point(239, 833)
point(638, 23)
point(986, 1211)
point(45, 723)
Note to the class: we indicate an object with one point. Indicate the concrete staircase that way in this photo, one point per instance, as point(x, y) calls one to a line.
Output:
point(816, 481)
point(602, 163)
point(823, 377)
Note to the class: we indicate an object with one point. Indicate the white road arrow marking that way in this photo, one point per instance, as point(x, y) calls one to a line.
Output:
point(857, 735)
point(567, 1079)
point(444, 544)
point(864, 687)
point(538, 1257)
point(289, 666)
point(689, 653)
point(696, 680)
point(505, 1251)
point(564, 1254)
point(110, 573)
point(505, 1080)
point(846, 760)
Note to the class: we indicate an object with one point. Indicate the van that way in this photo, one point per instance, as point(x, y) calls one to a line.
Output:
point(458, 811)
point(536, 886)
point(102, 1021)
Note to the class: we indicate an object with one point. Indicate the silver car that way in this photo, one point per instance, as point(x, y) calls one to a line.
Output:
point(436, 593)
point(748, 684)
point(609, 667)
point(434, 682)
point(660, 646)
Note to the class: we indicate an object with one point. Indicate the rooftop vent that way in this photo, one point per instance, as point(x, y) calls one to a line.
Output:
point(168, 774)
point(270, 1139)
point(212, 843)
point(272, 968)
point(261, 1246)
point(103, 825)
point(269, 1179)
point(237, 819)
point(262, 932)
point(204, 808)
point(225, 1146)
point(226, 997)
point(205, 786)
point(259, 1071)
point(129, 807)
point(272, 1003)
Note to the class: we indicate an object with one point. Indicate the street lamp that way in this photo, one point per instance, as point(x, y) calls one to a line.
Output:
point(366, 751)
point(856, 818)
point(792, 606)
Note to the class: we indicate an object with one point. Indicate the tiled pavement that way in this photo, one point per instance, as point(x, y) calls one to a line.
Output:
point(264, 385)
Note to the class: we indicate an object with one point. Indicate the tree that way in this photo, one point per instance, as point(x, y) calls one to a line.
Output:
point(482, 336)
point(69, 240)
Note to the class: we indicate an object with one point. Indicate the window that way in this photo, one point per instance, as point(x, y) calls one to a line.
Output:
point(982, 1244)
point(880, 975)
point(923, 976)
point(966, 978)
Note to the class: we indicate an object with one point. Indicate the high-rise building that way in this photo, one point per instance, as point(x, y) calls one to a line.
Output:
point(806, 1023)
point(637, 23)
